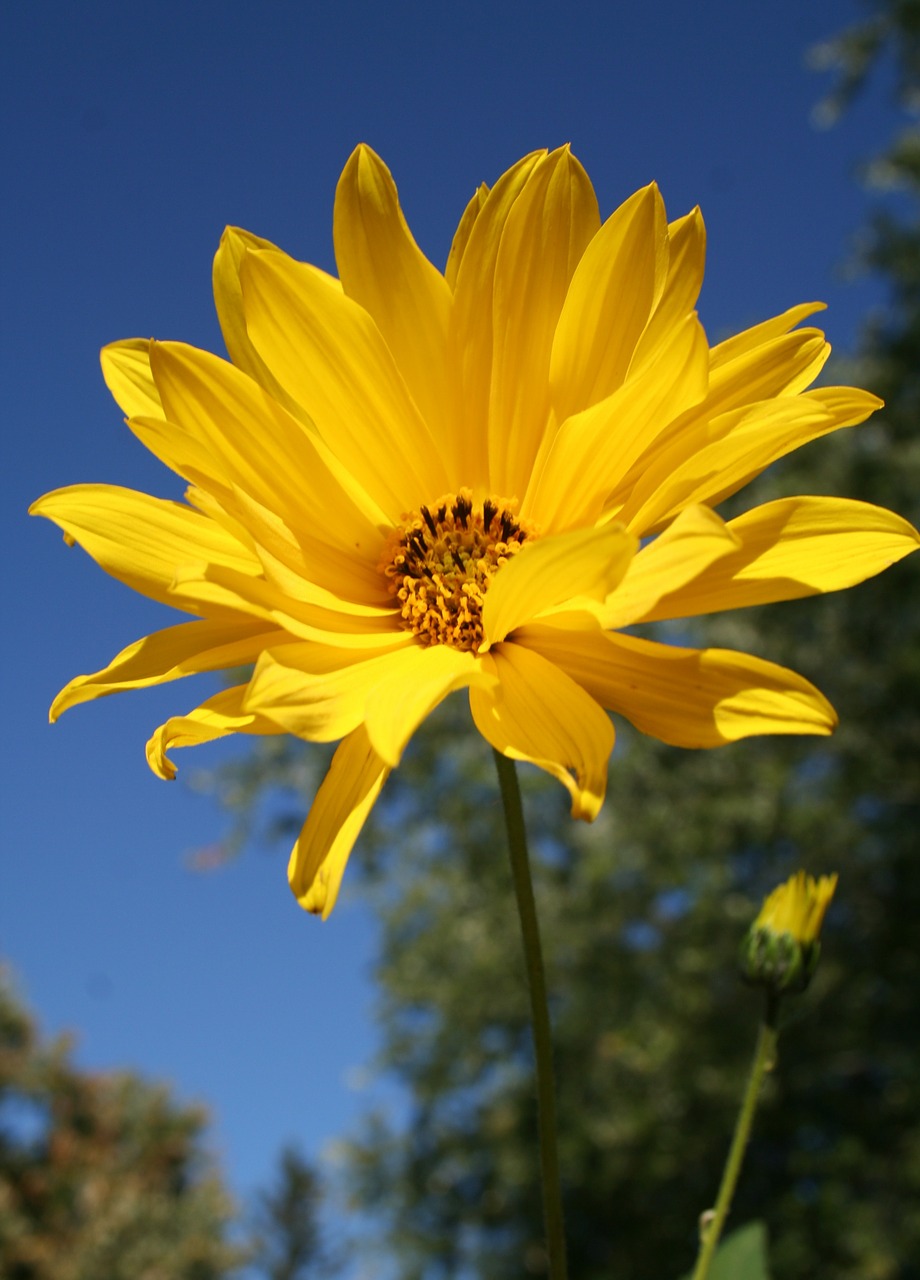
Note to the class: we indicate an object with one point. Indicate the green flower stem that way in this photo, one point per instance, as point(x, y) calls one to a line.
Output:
point(542, 1037)
point(764, 1060)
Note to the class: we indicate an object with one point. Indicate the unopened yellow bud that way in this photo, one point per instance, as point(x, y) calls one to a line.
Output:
point(781, 948)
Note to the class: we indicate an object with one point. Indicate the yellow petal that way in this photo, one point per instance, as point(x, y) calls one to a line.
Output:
point(228, 296)
point(462, 234)
point(697, 539)
point(715, 459)
point(783, 366)
point(140, 540)
point(330, 357)
point(179, 651)
point(334, 822)
point(319, 692)
point(758, 334)
point(212, 589)
point(382, 268)
point(415, 683)
point(686, 258)
point(322, 694)
point(544, 236)
point(219, 716)
point(310, 568)
point(595, 448)
point(541, 716)
point(228, 299)
point(471, 324)
point(126, 369)
point(791, 548)
point(608, 303)
point(175, 449)
point(685, 697)
point(548, 572)
point(255, 444)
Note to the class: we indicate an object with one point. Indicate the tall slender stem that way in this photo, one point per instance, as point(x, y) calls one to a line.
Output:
point(764, 1058)
point(539, 1010)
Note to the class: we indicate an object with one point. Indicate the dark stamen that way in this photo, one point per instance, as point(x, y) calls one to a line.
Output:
point(462, 509)
point(429, 520)
point(489, 512)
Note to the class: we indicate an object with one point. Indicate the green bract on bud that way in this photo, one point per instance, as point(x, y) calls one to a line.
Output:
point(781, 948)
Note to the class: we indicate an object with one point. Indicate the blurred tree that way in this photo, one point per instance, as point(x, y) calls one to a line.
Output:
point(288, 1245)
point(643, 911)
point(102, 1177)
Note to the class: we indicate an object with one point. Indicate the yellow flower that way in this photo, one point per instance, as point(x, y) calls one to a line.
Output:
point(407, 482)
point(781, 949)
point(798, 907)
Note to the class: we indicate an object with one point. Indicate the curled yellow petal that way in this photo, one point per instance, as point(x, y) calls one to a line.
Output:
point(216, 718)
point(338, 813)
point(539, 715)
point(166, 655)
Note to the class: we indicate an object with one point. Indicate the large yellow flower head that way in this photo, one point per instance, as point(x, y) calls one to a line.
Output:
point(406, 482)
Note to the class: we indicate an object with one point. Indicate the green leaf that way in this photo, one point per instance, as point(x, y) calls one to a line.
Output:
point(741, 1255)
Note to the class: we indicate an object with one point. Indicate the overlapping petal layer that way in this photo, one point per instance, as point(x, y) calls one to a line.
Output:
point(406, 482)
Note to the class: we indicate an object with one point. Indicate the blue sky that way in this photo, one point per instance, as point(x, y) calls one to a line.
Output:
point(132, 134)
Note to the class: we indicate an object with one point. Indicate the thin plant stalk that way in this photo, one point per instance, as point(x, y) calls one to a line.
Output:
point(539, 1009)
point(763, 1062)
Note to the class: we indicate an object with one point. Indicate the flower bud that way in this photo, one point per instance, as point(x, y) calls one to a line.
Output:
point(781, 948)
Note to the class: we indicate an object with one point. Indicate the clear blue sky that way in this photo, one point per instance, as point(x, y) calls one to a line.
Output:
point(131, 135)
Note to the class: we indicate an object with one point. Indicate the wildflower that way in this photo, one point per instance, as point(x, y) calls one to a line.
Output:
point(781, 949)
point(406, 482)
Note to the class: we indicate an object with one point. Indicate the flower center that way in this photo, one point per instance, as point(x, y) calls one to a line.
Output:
point(439, 563)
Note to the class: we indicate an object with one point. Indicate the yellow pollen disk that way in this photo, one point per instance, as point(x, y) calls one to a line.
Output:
point(439, 562)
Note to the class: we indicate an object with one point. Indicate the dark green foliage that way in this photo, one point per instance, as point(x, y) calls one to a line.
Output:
point(288, 1244)
point(741, 1256)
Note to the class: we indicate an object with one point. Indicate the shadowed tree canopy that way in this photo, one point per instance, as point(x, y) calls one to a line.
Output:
point(288, 1242)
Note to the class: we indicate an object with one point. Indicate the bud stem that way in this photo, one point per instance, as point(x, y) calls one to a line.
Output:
point(539, 1010)
point(764, 1060)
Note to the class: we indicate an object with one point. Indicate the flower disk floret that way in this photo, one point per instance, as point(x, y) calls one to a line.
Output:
point(440, 563)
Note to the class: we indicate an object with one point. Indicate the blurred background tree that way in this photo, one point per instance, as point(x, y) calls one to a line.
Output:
point(101, 1175)
point(107, 1177)
point(287, 1241)
point(642, 912)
